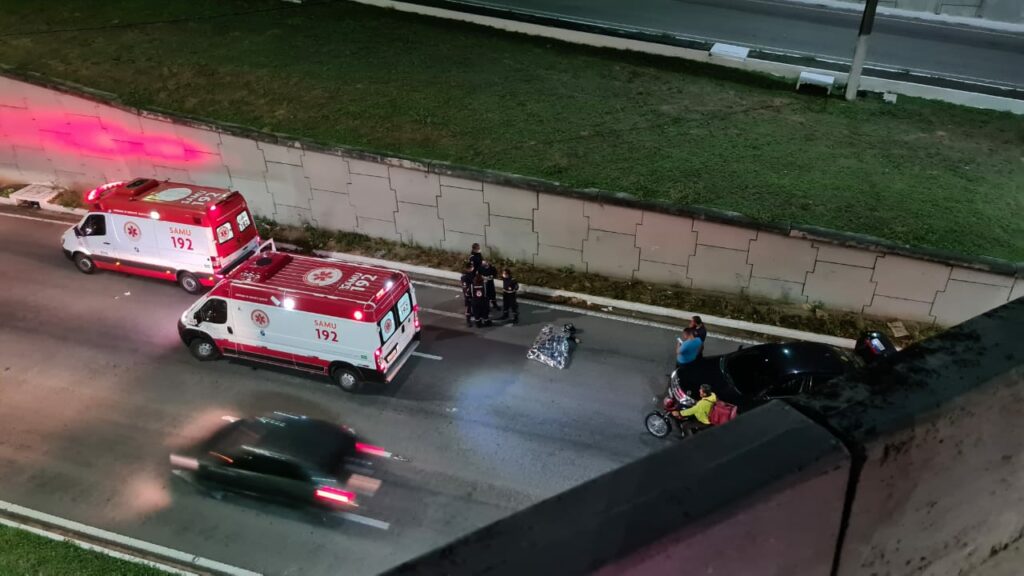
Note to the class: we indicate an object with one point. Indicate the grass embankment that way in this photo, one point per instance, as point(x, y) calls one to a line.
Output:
point(921, 173)
point(811, 318)
point(24, 554)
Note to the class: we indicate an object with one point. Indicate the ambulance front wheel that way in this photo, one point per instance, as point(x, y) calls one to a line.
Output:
point(346, 379)
point(84, 263)
point(203, 349)
point(189, 283)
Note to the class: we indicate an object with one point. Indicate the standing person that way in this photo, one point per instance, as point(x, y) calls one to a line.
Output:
point(488, 271)
point(687, 347)
point(475, 257)
point(701, 332)
point(468, 274)
point(481, 311)
point(509, 293)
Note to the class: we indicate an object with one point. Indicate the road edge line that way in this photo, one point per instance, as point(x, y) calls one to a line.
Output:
point(130, 543)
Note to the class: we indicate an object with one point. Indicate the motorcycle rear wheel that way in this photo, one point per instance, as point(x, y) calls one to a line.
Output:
point(658, 424)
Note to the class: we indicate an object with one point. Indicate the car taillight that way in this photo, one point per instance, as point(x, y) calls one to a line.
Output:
point(416, 316)
point(328, 494)
point(376, 357)
point(215, 262)
point(372, 450)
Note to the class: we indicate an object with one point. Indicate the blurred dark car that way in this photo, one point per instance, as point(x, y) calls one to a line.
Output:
point(753, 376)
point(292, 459)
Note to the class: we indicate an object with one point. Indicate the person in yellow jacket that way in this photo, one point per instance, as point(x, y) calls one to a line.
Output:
point(699, 415)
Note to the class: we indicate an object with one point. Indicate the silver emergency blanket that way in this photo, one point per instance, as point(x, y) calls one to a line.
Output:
point(553, 346)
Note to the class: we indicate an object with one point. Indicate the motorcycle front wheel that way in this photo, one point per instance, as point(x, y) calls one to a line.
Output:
point(658, 424)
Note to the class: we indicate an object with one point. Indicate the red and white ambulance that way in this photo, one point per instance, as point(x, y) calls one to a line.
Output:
point(356, 324)
point(180, 232)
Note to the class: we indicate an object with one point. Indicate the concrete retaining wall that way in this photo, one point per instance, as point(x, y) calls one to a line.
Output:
point(52, 136)
point(941, 485)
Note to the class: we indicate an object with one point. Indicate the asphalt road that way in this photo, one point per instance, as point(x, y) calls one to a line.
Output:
point(926, 47)
point(96, 390)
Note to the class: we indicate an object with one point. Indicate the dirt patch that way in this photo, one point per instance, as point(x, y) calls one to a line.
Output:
point(812, 318)
point(69, 198)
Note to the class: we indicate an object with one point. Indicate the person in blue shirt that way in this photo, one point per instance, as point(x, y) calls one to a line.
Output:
point(687, 347)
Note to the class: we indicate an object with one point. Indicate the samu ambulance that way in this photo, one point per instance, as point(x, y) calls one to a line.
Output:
point(180, 232)
point(355, 324)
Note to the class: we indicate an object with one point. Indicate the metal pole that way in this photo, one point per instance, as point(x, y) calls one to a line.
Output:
point(861, 52)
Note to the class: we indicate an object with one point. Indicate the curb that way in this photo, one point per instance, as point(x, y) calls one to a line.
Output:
point(454, 277)
point(151, 550)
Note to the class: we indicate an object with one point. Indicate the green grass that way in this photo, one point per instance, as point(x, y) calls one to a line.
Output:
point(921, 173)
point(24, 554)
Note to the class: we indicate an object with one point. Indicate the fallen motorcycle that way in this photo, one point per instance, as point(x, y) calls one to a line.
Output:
point(660, 423)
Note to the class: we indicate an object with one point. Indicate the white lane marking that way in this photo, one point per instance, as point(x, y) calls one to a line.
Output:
point(37, 219)
point(95, 548)
point(427, 356)
point(155, 549)
point(585, 312)
point(364, 520)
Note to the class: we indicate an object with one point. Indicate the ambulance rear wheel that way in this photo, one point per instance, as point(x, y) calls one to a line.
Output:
point(346, 379)
point(84, 263)
point(203, 349)
point(189, 283)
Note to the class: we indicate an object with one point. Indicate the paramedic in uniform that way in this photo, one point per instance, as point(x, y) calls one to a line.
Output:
point(468, 274)
point(488, 271)
point(476, 259)
point(510, 290)
point(481, 310)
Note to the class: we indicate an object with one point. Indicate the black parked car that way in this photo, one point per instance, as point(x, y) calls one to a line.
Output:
point(293, 459)
point(752, 376)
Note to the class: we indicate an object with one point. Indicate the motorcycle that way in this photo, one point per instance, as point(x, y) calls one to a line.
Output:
point(660, 422)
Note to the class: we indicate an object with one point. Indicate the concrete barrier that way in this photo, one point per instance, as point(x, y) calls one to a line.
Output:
point(762, 495)
point(54, 134)
point(938, 452)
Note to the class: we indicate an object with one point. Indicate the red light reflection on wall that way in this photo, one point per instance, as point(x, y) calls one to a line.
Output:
point(59, 132)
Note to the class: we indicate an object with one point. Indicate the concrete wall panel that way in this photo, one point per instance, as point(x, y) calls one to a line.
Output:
point(281, 154)
point(420, 225)
point(415, 186)
point(560, 222)
point(257, 196)
point(558, 257)
point(511, 202)
point(964, 300)
point(367, 168)
point(902, 277)
point(326, 171)
point(844, 255)
point(661, 273)
point(289, 185)
point(840, 286)
point(611, 218)
point(723, 235)
point(512, 238)
point(776, 289)
point(719, 269)
point(372, 197)
point(243, 158)
point(889, 307)
point(666, 239)
point(781, 258)
point(332, 210)
point(377, 228)
point(463, 210)
point(611, 254)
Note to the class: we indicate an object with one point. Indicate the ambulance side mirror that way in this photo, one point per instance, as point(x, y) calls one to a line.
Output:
point(78, 232)
point(198, 317)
